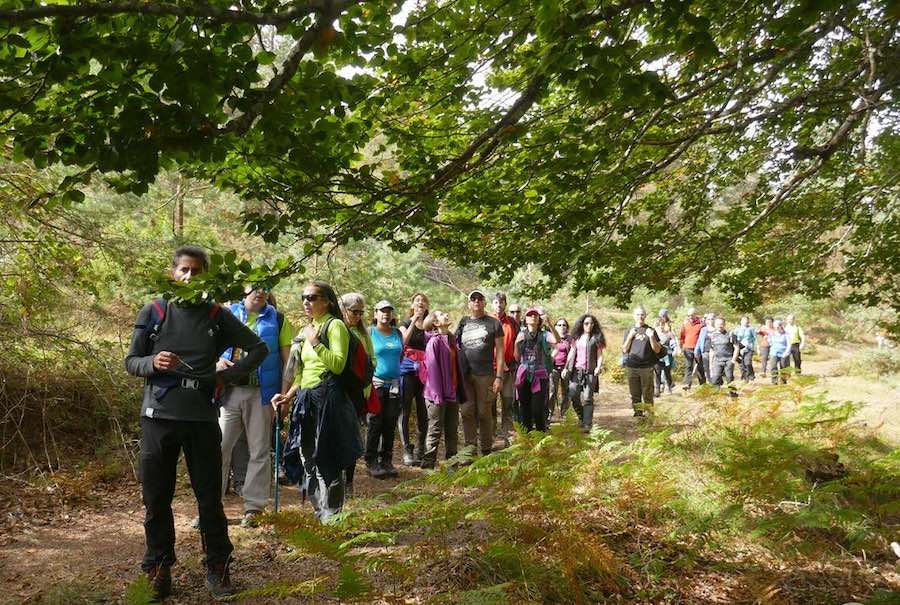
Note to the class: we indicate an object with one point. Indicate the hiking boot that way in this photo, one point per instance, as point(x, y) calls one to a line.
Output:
point(218, 580)
point(389, 470)
point(638, 413)
point(195, 523)
point(251, 519)
point(375, 470)
point(408, 459)
point(160, 579)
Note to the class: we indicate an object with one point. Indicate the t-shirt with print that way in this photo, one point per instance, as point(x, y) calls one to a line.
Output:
point(641, 353)
point(722, 344)
point(476, 339)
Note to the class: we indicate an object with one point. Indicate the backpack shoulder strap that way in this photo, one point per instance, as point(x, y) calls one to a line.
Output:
point(279, 317)
point(323, 333)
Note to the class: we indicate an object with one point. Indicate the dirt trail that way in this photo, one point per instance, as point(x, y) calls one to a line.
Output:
point(100, 544)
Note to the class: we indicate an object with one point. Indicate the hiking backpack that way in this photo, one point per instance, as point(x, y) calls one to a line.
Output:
point(358, 371)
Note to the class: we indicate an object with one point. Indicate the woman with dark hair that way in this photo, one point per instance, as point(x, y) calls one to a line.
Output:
point(324, 435)
point(558, 388)
point(413, 331)
point(583, 367)
point(387, 346)
point(532, 353)
point(663, 367)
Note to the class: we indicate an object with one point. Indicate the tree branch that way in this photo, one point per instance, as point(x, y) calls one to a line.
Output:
point(202, 11)
point(329, 12)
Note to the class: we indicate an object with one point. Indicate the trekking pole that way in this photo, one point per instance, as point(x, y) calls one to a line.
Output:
point(277, 456)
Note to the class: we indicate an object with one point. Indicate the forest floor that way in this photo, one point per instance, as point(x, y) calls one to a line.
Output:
point(53, 552)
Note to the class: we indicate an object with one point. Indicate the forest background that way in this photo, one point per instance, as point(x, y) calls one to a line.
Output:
point(584, 155)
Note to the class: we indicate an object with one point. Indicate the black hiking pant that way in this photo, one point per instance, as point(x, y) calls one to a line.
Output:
point(690, 361)
point(413, 392)
point(161, 444)
point(795, 355)
point(382, 427)
point(533, 404)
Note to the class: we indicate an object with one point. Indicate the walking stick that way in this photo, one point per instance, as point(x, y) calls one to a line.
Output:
point(277, 456)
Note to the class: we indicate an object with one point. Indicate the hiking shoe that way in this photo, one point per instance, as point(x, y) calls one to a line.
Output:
point(195, 523)
point(251, 519)
point(376, 471)
point(408, 459)
point(218, 580)
point(638, 413)
point(160, 579)
point(389, 470)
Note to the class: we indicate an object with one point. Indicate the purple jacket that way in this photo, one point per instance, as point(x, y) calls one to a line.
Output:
point(438, 376)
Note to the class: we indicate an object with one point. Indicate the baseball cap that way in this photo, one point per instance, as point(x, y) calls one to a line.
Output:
point(476, 291)
point(383, 304)
point(534, 311)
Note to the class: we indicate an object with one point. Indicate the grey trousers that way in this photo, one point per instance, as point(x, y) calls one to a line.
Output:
point(559, 391)
point(719, 368)
point(442, 419)
point(243, 412)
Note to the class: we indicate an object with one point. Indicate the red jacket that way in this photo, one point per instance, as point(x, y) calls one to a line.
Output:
point(690, 331)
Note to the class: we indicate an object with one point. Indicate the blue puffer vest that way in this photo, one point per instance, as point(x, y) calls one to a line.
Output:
point(269, 371)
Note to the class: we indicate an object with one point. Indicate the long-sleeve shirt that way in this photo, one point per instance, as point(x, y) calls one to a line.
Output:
point(690, 332)
point(198, 340)
point(316, 360)
point(778, 344)
point(701, 345)
point(746, 336)
point(441, 382)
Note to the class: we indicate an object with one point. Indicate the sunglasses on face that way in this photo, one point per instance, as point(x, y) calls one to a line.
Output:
point(311, 297)
point(357, 312)
point(477, 299)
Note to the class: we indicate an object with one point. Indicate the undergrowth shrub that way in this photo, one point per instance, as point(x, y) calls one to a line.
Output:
point(873, 363)
point(564, 517)
point(66, 405)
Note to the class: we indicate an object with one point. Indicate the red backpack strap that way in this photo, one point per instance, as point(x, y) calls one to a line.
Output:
point(160, 306)
point(214, 310)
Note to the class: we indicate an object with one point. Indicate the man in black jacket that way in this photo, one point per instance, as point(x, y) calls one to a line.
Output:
point(175, 348)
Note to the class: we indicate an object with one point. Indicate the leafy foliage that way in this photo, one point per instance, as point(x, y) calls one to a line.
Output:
point(756, 149)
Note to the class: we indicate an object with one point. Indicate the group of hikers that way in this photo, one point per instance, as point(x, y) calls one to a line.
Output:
point(338, 374)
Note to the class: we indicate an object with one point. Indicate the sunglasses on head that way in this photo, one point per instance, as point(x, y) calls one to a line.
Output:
point(311, 297)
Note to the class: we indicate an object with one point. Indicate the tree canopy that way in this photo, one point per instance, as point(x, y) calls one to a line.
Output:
point(613, 144)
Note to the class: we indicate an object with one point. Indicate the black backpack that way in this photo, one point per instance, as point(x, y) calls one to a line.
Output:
point(358, 371)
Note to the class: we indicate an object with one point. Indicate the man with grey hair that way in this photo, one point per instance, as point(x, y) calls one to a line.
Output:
point(641, 350)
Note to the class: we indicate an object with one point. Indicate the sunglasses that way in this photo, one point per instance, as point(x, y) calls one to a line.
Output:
point(477, 299)
point(311, 297)
point(516, 311)
point(358, 312)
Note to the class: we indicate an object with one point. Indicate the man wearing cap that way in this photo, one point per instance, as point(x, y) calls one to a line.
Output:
point(387, 344)
point(508, 387)
point(480, 339)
